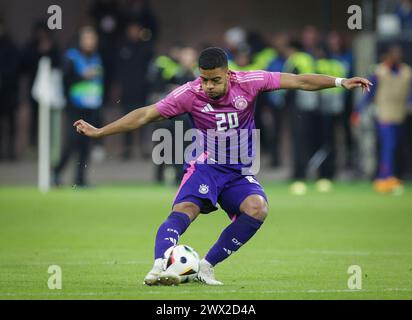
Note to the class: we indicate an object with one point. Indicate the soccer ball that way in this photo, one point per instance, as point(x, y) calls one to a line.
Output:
point(324, 185)
point(298, 188)
point(183, 261)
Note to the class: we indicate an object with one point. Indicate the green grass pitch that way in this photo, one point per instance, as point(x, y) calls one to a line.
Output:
point(102, 238)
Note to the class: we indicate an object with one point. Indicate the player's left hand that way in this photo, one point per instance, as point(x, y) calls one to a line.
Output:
point(357, 82)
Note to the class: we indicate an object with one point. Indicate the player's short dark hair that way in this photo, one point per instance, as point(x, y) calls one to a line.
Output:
point(212, 58)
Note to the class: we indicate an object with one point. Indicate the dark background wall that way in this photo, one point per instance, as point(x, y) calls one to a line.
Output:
point(192, 21)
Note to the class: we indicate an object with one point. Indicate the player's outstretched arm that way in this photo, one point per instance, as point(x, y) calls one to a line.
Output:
point(312, 82)
point(133, 120)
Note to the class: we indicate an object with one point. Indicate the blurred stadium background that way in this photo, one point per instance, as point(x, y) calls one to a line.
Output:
point(146, 48)
point(245, 29)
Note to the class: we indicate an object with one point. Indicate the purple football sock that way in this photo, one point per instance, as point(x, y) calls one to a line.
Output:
point(170, 231)
point(233, 237)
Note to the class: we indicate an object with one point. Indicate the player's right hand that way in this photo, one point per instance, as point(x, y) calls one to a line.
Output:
point(86, 129)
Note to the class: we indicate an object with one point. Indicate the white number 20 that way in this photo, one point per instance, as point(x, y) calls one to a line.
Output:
point(230, 119)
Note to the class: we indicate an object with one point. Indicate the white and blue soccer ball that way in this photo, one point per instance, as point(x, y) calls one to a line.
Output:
point(183, 261)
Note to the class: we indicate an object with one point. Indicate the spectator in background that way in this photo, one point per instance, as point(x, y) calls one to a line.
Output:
point(235, 40)
point(392, 83)
point(275, 99)
point(256, 54)
point(310, 40)
point(253, 54)
point(304, 106)
point(331, 106)
point(242, 59)
point(404, 13)
point(9, 89)
point(336, 50)
point(83, 80)
point(187, 71)
point(162, 71)
point(131, 64)
point(109, 23)
point(140, 10)
point(106, 16)
point(41, 44)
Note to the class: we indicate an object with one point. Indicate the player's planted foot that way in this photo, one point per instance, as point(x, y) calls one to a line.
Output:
point(207, 274)
point(153, 277)
point(157, 276)
point(169, 279)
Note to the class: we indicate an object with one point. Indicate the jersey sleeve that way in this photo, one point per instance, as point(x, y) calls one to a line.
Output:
point(260, 81)
point(271, 81)
point(175, 103)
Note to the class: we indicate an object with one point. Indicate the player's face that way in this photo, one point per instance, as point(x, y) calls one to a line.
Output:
point(214, 82)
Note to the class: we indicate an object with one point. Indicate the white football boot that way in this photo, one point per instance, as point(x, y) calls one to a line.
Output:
point(206, 274)
point(153, 277)
point(169, 278)
point(157, 276)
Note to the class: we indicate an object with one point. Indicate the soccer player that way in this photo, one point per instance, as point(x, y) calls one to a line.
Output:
point(220, 100)
point(392, 84)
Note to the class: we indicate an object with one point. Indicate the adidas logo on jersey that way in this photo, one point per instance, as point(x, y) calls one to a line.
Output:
point(208, 108)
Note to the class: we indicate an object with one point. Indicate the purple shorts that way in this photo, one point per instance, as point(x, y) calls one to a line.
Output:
point(209, 184)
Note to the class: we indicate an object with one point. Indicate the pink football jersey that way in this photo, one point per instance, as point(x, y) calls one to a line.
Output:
point(234, 110)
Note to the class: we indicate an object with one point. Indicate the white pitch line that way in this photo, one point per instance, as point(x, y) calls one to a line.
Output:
point(178, 292)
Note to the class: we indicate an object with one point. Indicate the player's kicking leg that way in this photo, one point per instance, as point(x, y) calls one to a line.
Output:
point(168, 235)
point(253, 211)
